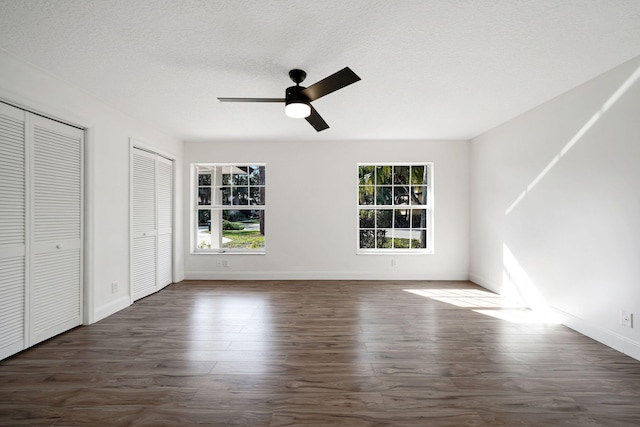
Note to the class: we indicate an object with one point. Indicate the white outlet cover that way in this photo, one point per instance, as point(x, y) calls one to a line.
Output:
point(626, 318)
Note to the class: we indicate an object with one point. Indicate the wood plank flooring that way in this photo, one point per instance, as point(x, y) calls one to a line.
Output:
point(319, 353)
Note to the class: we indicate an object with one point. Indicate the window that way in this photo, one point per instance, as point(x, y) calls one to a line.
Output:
point(229, 208)
point(395, 208)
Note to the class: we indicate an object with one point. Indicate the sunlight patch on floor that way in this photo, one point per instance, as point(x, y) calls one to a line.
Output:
point(487, 303)
point(468, 298)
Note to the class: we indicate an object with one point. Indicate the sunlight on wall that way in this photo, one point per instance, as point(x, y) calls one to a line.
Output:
point(516, 283)
point(578, 136)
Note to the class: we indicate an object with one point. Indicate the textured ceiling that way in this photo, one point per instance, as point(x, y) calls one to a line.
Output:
point(430, 69)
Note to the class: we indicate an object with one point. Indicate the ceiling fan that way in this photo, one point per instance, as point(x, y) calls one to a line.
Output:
point(298, 98)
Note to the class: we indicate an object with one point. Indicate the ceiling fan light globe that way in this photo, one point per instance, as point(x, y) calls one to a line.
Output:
point(297, 110)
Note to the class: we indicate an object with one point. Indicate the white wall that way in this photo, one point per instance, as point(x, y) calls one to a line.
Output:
point(107, 175)
point(311, 222)
point(555, 207)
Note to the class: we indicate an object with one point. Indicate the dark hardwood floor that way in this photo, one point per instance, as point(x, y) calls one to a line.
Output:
point(321, 353)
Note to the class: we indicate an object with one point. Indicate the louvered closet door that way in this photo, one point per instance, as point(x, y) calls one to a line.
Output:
point(143, 224)
point(56, 200)
point(12, 230)
point(165, 219)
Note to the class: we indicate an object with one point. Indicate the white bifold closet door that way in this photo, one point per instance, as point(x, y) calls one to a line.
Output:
point(151, 223)
point(41, 228)
point(165, 221)
point(56, 201)
point(12, 231)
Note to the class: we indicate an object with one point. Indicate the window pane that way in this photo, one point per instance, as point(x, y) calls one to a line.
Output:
point(204, 229)
point(384, 239)
point(367, 239)
point(384, 218)
point(204, 196)
point(401, 218)
point(384, 195)
point(366, 195)
point(418, 218)
point(263, 175)
point(255, 175)
point(240, 195)
point(401, 195)
point(401, 238)
point(226, 196)
point(256, 195)
point(384, 175)
point(419, 239)
point(365, 174)
point(243, 229)
point(240, 176)
point(367, 218)
point(418, 175)
point(204, 215)
point(401, 175)
point(416, 195)
point(204, 179)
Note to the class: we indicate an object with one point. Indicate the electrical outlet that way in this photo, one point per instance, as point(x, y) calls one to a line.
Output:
point(222, 263)
point(114, 287)
point(626, 319)
point(394, 263)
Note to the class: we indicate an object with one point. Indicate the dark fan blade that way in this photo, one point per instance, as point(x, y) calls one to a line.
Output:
point(335, 81)
point(316, 121)
point(251, 99)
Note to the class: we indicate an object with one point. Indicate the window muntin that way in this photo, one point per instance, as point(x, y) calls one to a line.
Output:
point(395, 208)
point(229, 208)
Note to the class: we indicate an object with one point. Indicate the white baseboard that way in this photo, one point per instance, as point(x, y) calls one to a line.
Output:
point(605, 336)
point(485, 283)
point(632, 348)
point(316, 275)
point(111, 307)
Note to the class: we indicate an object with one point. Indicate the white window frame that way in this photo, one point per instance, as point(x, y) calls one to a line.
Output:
point(428, 206)
point(219, 206)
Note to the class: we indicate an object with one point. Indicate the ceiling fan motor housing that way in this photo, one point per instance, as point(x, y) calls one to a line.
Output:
point(294, 94)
